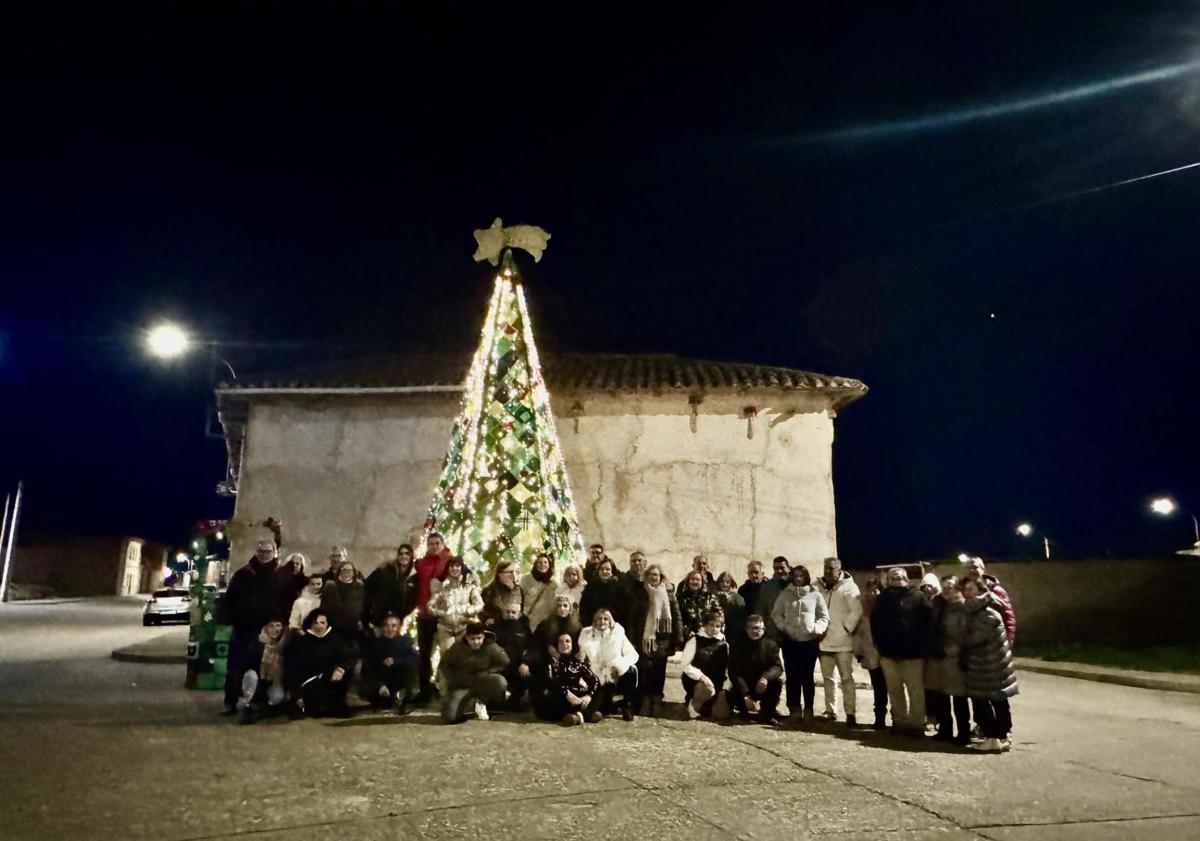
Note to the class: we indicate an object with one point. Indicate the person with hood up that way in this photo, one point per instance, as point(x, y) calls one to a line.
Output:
point(868, 655)
point(320, 664)
point(605, 648)
point(570, 685)
point(430, 567)
point(342, 601)
point(456, 603)
point(572, 586)
point(262, 683)
point(391, 588)
point(250, 602)
point(781, 576)
point(500, 592)
point(990, 679)
point(802, 617)
point(305, 603)
point(945, 682)
point(901, 624)
point(655, 632)
point(695, 600)
point(390, 666)
point(837, 647)
point(604, 592)
point(513, 635)
point(473, 669)
point(291, 578)
point(539, 588)
point(705, 665)
point(755, 673)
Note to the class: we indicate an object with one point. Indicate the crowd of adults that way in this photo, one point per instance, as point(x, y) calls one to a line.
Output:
point(595, 641)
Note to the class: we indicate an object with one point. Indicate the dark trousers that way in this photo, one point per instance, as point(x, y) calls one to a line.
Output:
point(426, 628)
point(947, 709)
point(323, 696)
point(517, 685)
point(652, 675)
point(768, 700)
point(554, 706)
point(799, 660)
point(487, 689)
point(993, 717)
point(241, 643)
point(604, 698)
point(879, 690)
point(399, 679)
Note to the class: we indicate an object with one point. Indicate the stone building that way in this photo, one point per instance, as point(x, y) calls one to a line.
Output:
point(668, 455)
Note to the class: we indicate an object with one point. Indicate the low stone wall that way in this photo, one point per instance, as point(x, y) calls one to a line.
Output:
point(1136, 602)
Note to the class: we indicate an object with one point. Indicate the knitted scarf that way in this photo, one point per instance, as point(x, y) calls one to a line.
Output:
point(271, 667)
point(658, 616)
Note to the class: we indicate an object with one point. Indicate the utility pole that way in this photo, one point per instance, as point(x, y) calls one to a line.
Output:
point(11, 538)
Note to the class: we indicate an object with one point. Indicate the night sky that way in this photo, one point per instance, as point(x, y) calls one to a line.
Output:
point(865, 193)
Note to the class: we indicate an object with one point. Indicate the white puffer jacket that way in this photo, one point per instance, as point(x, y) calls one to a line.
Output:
point(455, 603)
point(604, 652)
point(845, 612)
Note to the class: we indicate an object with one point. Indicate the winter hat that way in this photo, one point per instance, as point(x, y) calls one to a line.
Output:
point(931, 581)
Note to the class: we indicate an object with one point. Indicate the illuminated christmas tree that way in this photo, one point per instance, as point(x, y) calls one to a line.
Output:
point(504, 493)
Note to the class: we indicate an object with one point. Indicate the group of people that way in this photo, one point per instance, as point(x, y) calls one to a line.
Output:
point(596, 641)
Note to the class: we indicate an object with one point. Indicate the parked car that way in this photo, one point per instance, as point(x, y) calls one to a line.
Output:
point(171, 603)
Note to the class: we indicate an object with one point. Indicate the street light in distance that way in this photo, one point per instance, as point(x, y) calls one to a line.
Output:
point(168, 341)
point(1165, 506)
point(1026, 530)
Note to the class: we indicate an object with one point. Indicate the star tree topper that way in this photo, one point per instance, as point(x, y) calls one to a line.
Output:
point(492, 241)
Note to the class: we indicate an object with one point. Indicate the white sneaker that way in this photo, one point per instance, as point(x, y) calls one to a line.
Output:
point(481, 712)
point(1005, 745)
point(692, 712)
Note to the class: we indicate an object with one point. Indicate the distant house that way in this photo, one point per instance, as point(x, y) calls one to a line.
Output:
point(668, 455)
point(88, 566)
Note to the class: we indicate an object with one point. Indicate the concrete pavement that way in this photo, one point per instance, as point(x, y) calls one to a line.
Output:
point(97, 749)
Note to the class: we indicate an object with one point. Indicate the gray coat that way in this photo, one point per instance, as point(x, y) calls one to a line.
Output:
point(943, 671)
point(988, 658)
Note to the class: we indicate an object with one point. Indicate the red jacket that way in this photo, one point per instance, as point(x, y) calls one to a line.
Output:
point(428, 568)
point(1004, 607)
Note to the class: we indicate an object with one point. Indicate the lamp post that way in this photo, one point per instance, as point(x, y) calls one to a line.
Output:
point(1026, 530)
point(168, 340)
point(1165, 506)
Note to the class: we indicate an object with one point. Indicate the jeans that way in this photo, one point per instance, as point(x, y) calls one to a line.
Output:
point(799, 661)
point(426, 628)
point(485, 689)
point(947, 709)
point(652, 671)
point(906, 677)
point(880, 691)
point(843, 661)
point(269, 690)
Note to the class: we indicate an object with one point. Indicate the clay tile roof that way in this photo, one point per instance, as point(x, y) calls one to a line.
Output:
point(563, 372)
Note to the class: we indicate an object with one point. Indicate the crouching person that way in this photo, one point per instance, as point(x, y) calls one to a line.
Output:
point(513, 635)
point(570, 686)
point(262, 684)
point(473, 669)
point(320, 663)
point(755, 673)
point(613, 659)
point(705, 669)
point(390, 667)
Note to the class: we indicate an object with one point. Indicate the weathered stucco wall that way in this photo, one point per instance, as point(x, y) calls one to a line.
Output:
point(646, 473)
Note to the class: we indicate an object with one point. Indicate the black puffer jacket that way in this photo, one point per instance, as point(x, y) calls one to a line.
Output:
point(388, 591)
point(902, 623)
point(986, 654)
point(603, 593)
point(344, 605)
point(751, 660)
point(309, 656)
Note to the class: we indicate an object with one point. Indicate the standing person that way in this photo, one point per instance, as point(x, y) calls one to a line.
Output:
point(338, 555)
point(837, 647)
point(868, 654)
point(305, 603)
point(901, 622)
point(342, 602)
point(637, 568)
point(701, 565)
point(753, 583)
point(755, 673)
point(391, 588)
point(653, 631)
point(781, 576)
point(291, 578)
point(473, 670)
point(1001, 601)
point(732, 605)
point(570, 685)
point(695, 600)
point(945, 682)
point(431, 567)
point(514, 636)
point(572, 587)
point(390, 666)
point(990, 679)
point(591, 568)
point(539, 588)
point(802, 618)
point(456, 603)
point(320, 664)
point(605, 648)
point(502, 591)
point(705, 663)
point(604, 592)
point(251, 601)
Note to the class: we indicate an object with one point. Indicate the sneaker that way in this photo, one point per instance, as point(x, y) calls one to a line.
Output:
point(596, 717)
point(808, 716)
point(570, 720)
point(1005, 745)
point(987, 746)
point(229, 709)
point(879, 724)
point(851, 722)
point(692, 712)
point(481, 712)
point(829, 715)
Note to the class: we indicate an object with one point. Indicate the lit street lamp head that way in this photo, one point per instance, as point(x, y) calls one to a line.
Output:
point(1163, 505)
point(167, 341)
point(1024, 529)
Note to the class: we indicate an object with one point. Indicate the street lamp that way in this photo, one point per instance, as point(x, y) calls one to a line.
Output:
point(1026, 530)
point(1165, 506)
point(168, 340)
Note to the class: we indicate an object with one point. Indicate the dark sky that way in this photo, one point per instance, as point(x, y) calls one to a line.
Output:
point(737, 187)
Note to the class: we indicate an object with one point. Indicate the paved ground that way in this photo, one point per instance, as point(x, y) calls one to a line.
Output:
point(97, 749)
